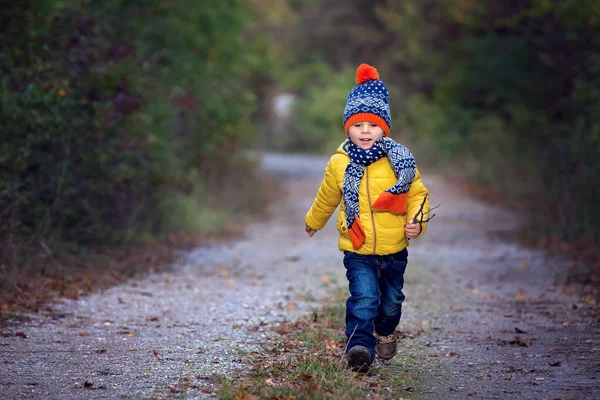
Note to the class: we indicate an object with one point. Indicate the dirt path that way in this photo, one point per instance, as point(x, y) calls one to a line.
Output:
point(486, 318)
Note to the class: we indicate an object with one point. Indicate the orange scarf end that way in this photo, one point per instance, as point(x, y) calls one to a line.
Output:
point(357, 233)
point(396, 203)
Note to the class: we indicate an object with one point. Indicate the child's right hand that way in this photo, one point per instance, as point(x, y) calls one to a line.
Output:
point(310, 231)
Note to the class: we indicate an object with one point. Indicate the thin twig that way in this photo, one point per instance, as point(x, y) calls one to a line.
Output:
point(420, 212)
point(348, 341)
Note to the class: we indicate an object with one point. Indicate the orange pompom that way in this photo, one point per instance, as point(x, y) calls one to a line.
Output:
point(365, 73)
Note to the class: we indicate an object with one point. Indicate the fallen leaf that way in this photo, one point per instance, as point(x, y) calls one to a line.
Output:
point(452, 354)
point(307, 377)
point(101, 351)
point(240, 395)
point(133, 350)
point(554, 364)
point(186, 361)
point(521, 297)
point(271, 383)
point(325, 278)
point(224, 272)
point(230, 282)
point(283, 330)
point(481, 378)
point(156, 353)
point(83, 334)
point(475, 291)
point(471, 394)
point(519, 342)
point(508, 378)
point(524, 266)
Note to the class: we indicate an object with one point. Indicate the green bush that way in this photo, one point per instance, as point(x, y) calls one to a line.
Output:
point(109, 108)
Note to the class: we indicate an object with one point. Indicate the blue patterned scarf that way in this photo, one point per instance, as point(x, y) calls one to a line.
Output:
point(394, 199)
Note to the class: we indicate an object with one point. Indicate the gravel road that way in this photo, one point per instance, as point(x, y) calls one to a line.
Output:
point(486, 318)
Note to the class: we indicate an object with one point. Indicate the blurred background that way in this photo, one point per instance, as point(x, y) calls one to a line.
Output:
point(129, 121)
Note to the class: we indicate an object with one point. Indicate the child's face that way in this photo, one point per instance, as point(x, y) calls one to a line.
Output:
point(364, 134)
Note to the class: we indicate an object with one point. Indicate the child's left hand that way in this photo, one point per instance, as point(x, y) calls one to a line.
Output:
point(412, 230)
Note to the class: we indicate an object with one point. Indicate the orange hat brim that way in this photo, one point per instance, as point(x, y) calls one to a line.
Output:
point(368, 117)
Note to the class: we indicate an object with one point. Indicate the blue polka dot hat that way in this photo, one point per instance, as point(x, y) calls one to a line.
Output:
point(368, 101)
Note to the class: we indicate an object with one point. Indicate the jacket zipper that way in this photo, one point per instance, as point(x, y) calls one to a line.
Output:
point(372, 215)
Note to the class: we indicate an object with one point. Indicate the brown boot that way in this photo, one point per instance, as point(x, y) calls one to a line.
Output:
point(386, 346)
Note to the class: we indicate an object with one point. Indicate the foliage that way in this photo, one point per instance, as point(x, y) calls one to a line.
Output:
point(525, 68)
point(316, 129)
point(116, 113)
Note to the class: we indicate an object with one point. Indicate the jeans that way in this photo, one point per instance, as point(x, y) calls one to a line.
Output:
point(375, 302)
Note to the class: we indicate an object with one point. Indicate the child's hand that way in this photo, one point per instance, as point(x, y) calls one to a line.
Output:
point(412, 230)
point(310, 231)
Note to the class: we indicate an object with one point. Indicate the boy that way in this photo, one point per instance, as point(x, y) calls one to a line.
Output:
point(380, 190)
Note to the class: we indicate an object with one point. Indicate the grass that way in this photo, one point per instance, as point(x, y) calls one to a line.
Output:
point(306, 361)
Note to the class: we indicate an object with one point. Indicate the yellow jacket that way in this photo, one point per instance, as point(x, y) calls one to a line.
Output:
point(384, 230)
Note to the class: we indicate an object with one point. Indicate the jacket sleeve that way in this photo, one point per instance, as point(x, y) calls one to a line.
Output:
point(327, 200)
point(416, 194)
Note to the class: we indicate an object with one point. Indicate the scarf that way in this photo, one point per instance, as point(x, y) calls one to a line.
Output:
point(394, 199)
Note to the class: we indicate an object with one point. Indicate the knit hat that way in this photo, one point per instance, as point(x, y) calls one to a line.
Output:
point(368, 101)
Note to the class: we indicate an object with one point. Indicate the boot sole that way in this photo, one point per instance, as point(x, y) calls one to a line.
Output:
point(385, 358)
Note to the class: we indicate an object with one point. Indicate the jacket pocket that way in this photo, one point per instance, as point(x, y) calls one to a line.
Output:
point(342, 227)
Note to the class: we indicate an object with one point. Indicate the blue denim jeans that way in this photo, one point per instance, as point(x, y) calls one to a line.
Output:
point(375, 302)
